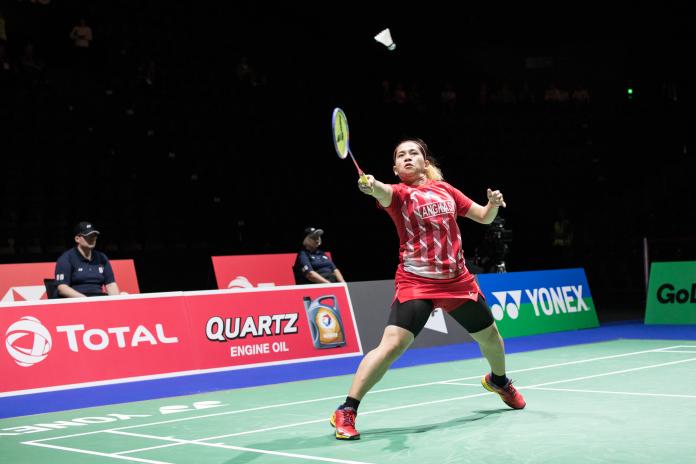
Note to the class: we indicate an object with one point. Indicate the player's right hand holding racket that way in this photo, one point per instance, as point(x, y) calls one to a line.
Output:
point(381, 191)
point(366, 184)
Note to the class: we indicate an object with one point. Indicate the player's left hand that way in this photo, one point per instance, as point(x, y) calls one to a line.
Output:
point(495, 198)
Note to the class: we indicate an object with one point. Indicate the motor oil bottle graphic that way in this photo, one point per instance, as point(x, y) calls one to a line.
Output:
point(325, 321)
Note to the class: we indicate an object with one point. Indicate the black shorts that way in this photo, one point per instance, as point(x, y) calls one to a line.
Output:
point(412, 315)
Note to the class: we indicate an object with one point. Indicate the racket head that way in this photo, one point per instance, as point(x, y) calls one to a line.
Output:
point(339, 128)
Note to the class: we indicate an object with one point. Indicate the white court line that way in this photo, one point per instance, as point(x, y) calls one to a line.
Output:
point(139, 450)
point(448, 399)
point(118, 456)
point(241, 448)
point(676, 351)
point(201, 441)
point(239, 411)
point(581, 361)
point(610, 392)
point(623, 371)
point(293, 403)
point(462, 384)
point(96, 453)
point(669, 348)
point(666, 395)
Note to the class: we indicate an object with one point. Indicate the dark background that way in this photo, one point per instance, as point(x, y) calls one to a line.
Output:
point(192, 129)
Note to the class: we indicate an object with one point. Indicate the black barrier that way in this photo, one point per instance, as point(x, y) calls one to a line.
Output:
point(371, 304)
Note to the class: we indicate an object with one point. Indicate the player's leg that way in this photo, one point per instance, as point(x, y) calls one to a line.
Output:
point(374, 365)
point(477, 319)
point(406, 320)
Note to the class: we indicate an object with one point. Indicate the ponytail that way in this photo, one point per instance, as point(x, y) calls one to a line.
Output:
point(433, 172)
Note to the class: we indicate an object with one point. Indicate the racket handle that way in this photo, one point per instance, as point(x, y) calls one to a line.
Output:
point(363, 177)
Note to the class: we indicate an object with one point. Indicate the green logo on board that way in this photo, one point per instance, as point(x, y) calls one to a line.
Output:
point(671, 293)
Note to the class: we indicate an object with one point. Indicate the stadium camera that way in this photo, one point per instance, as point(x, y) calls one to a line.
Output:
point(497, 244)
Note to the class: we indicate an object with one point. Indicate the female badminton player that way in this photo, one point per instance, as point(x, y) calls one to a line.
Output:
point(431, 273)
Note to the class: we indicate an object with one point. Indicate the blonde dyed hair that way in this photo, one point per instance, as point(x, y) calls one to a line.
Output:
point(433, 171)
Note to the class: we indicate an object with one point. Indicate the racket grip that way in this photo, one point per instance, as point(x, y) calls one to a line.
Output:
point(363, 178)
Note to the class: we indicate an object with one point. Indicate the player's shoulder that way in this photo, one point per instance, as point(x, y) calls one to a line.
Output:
point(447, 186)
point(441, 183)
point(398, 189)
point(437, 186)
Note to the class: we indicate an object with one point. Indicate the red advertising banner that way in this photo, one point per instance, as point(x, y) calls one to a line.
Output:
point(274, 325)
point(61, 344)
point(77, 341)
point(24, 282)
point(247, 271)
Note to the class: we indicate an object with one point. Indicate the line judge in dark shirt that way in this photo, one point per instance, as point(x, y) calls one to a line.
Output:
point(82, 270)
point(312, 263)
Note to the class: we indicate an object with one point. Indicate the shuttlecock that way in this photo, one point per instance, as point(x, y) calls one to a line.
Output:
point(385, 38)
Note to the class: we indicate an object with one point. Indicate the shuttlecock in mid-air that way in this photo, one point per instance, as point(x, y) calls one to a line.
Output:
point(385, 38)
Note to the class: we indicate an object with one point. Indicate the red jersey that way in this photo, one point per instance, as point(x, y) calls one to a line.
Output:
point(431, 259)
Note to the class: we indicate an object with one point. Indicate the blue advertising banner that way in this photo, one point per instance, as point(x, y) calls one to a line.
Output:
point(526, 303)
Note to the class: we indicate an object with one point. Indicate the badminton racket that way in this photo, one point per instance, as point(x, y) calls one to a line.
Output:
point(339, 128)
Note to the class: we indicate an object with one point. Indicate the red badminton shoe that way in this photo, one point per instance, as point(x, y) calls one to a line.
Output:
point(508, 393)
point(344, 422)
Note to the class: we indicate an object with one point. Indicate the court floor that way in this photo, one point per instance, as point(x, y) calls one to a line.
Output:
point(621, 401)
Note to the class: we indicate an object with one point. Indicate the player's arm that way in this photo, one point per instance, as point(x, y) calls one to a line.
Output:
point(382, 192)
point(486, 214)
